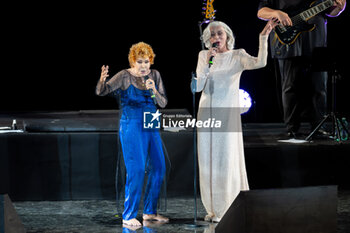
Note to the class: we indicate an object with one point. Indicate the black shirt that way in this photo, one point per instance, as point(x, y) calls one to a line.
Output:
point(306, 41)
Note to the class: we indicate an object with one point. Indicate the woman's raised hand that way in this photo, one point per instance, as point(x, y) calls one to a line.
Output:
point(271, 24)
point(104, 73)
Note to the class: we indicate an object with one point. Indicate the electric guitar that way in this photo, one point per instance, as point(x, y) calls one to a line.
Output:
point(208, 10)
point(288, 34)
point(209, 15)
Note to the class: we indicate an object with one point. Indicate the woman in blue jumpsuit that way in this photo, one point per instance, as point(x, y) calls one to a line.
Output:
point(140, 89)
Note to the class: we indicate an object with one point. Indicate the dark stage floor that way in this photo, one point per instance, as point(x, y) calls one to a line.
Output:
point(98, 216)
point(59, 176)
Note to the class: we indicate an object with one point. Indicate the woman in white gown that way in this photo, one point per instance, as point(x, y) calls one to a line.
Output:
point(222, 171)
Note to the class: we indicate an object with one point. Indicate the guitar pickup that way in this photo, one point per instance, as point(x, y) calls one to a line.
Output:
point(281, 28)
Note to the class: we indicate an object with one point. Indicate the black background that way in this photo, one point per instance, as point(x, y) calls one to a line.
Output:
point(54, 52)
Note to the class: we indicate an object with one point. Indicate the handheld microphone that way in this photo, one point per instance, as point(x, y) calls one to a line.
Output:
point(153, 96)
point(215, 45)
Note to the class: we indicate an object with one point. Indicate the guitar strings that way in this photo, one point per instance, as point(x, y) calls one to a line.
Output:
point(299, 18)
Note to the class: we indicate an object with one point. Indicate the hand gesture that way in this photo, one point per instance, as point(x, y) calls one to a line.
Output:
point(271, 24)
point(104, 73)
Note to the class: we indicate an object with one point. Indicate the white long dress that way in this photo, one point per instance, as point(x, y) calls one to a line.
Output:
point(222, 171)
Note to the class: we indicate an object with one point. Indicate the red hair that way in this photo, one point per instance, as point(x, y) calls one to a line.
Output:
point(143, 50)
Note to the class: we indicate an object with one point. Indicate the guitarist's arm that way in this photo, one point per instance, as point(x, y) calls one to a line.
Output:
point(338, 7)
point(267, 13)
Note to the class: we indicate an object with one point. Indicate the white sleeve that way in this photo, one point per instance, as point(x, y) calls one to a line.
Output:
point(249, 62)
point(202, 70)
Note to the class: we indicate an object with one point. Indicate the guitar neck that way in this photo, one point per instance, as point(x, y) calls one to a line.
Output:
point(311, 12)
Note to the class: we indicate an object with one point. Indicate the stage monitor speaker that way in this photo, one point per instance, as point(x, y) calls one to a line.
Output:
point(289, 210)
point(9, 220)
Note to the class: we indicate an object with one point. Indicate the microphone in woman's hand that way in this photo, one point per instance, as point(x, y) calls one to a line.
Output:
point(153, 96)
point(215, 45)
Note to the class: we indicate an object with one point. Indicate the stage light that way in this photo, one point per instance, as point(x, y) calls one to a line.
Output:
point(245, 101)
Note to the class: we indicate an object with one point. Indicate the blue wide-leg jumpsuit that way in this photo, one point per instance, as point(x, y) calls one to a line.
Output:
point(143, 152)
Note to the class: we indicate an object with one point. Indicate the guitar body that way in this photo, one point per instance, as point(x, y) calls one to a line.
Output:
point(288, 34)
point(291, 34)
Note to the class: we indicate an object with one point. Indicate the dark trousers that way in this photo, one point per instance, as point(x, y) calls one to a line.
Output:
point(304, 92)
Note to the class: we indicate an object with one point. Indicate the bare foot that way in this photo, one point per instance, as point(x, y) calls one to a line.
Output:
point(132, 222)
point(147, 223)
point(132, 228)
point(155, 217)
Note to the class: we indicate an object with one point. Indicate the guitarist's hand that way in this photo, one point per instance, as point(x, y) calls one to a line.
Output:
point(267, 13)
point(282, 18)
point(340, 4)
point(338, 7)
point(271, 24)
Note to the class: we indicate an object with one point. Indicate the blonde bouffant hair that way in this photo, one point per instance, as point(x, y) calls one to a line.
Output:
point(143, 50)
